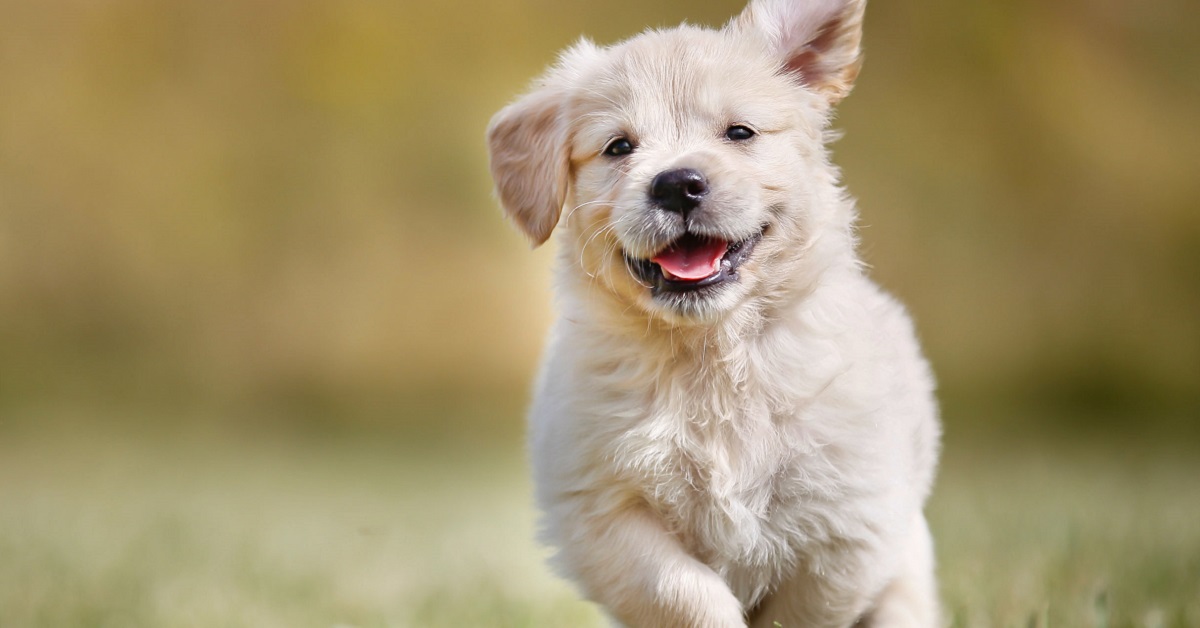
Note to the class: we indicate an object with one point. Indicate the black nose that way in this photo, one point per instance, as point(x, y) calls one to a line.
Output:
point(678, 191)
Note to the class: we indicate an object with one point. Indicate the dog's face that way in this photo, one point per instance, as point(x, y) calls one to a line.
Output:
point(690, 162)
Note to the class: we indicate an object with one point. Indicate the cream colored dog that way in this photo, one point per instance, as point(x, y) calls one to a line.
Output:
point(733, 425)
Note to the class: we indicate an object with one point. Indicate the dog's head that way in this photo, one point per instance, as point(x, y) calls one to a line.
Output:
point(690, 162)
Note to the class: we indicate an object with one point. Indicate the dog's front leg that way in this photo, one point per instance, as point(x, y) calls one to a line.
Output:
point(833, 597)
point(628, 562)
point(855, 592)
point(910, 599)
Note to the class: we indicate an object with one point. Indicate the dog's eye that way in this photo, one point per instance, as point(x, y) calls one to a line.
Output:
point(618, 146)
point(739, 133)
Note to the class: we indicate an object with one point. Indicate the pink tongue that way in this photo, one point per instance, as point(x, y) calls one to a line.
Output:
point(692, 260)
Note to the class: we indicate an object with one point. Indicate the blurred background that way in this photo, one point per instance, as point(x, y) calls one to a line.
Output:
point(251, 270)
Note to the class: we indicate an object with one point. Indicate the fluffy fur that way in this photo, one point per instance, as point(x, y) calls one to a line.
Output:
point(754, 453)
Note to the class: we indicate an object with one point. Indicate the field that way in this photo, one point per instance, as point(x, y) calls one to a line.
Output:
point(129, 525)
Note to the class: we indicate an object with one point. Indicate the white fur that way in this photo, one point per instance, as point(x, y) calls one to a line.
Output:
point(758, 455)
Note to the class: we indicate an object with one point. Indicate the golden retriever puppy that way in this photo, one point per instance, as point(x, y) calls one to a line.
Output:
point(733, 425)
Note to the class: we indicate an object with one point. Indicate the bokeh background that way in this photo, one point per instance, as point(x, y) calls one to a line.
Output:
point(266, 340)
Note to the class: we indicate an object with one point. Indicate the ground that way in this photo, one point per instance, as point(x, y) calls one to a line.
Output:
point(137, 526)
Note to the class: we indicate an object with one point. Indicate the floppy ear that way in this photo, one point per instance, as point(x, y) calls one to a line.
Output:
point(818, 40)
point(527, 141)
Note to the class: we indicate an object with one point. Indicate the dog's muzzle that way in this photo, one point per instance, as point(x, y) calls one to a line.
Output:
point(693, 263)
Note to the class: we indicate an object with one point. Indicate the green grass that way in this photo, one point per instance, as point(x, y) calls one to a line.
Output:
point(103, 527)
point(1101, 535)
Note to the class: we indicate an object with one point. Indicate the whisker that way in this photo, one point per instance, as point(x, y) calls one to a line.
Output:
point(567, 220)
point(583, 250)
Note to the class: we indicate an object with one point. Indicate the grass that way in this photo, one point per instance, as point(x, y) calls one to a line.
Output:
point(1099, 535)
point(103, 526)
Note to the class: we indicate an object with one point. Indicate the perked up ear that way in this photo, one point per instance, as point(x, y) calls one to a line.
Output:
point(818, 40)
point(529, 161)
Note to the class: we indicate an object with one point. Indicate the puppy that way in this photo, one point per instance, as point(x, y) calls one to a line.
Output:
point(733, 425)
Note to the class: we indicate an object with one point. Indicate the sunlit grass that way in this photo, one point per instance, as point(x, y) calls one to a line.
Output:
point(1038, 534)
point(265, 529)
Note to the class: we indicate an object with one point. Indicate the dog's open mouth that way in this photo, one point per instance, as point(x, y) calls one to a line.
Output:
point(693, 262)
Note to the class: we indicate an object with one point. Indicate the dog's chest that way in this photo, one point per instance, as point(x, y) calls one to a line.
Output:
point(729, 474)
